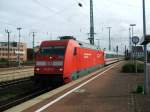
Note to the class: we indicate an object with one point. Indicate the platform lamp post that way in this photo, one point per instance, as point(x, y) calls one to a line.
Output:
point(132, 30)
point(19, 28)
point(135, 40)
point(132, 27)
point(129, 38)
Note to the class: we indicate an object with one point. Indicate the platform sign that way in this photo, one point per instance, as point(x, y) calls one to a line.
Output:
point(135, 39)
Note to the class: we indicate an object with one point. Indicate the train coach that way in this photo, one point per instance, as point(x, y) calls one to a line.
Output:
point(112, 57)
point(64, 60)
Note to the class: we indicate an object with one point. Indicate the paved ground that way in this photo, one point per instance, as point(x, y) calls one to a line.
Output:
point(142, 101)
point(109, 92)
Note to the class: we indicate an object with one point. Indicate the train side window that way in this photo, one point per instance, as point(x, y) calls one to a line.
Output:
point(75, 51)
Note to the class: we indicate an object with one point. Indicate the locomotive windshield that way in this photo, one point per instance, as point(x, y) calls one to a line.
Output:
point(53, 50)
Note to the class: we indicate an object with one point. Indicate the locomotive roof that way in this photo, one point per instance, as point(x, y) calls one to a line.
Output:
point(82, 44)
point(87, 45)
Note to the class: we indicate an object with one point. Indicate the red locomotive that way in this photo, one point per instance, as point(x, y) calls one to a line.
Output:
point(61, 61)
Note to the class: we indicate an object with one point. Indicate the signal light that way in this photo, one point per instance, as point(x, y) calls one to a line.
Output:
point(37, 69)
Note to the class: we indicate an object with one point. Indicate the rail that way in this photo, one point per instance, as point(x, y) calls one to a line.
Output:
point(31, 94)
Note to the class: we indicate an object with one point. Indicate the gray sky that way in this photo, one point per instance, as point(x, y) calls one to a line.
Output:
point(53, 18)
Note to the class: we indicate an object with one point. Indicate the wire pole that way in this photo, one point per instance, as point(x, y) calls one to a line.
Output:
point(33, 35)
point(117, 52)
point(146, 87)
point(19, 28)
point(8, 49)
point(132, 25)
point(92, 33)
point(109, 28)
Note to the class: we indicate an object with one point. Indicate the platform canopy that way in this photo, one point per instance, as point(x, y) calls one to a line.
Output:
point(145, 40)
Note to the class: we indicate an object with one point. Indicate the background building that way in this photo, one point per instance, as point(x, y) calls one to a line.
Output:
point(13, 51)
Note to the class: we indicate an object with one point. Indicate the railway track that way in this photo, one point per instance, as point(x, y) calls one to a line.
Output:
point(23, 98)
point(14, 93)
point(14, 82)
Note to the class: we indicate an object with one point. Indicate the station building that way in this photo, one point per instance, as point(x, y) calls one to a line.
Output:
point(13, 51)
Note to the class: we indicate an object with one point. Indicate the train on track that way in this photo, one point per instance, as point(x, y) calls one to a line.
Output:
point(64, 60)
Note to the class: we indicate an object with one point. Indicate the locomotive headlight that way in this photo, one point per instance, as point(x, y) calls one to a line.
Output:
point(50, 57)
point(60, 69)
point(37, 69)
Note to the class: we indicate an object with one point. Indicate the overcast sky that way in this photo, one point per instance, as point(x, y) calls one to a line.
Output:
point(53, 18)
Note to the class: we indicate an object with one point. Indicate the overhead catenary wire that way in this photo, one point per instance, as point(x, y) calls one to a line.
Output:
point(58, 13)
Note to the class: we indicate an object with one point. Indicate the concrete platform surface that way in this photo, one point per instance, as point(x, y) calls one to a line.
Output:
point(110, 92)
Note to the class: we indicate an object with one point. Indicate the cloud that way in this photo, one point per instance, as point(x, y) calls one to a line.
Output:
point(59, 17)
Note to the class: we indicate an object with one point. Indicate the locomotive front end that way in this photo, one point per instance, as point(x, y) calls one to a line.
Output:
point(50, 63)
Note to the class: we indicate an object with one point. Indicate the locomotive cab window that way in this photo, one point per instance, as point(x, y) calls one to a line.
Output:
point(53, 50)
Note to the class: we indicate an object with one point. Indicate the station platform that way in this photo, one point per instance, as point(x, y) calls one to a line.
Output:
point(108, 91)
point(10, 74)
point(15, 68)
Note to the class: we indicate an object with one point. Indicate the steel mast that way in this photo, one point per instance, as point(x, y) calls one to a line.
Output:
point(91, 39)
